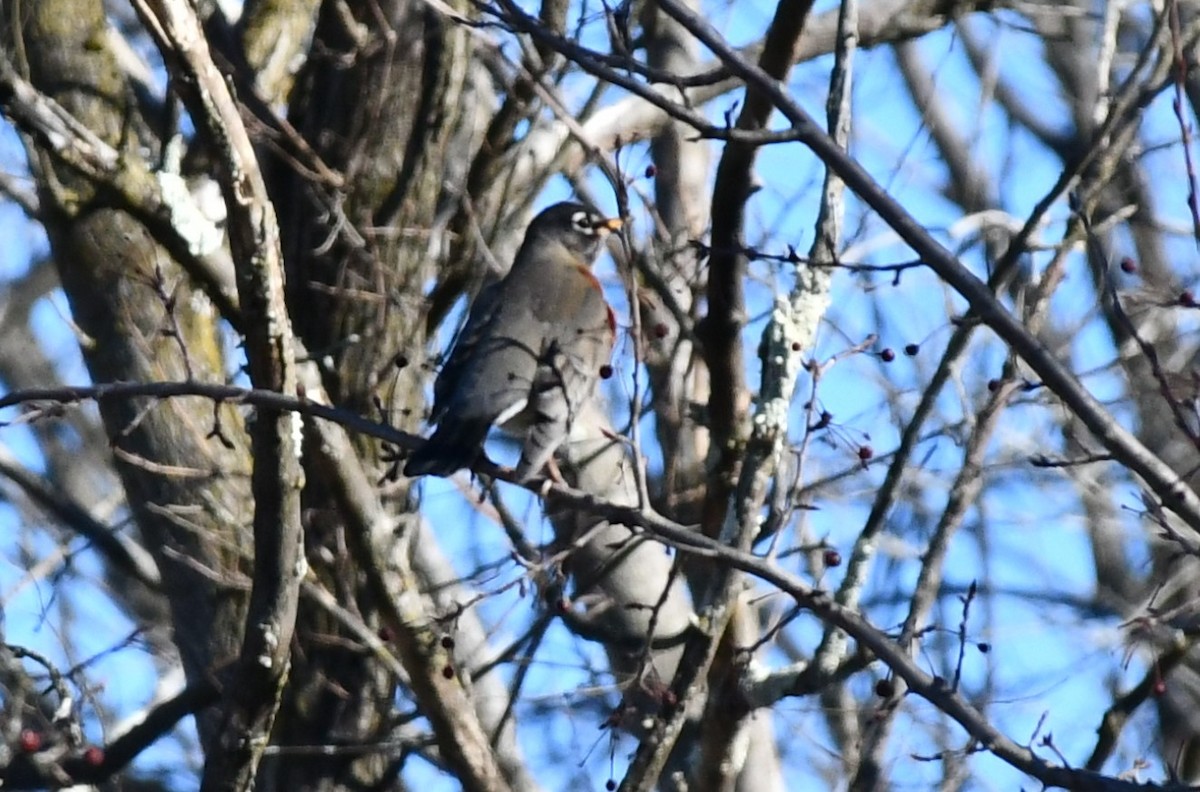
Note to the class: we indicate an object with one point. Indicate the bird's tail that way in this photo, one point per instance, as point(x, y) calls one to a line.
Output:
point(452, 447)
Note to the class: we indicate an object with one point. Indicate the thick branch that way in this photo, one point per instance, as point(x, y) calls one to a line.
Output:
point(1172, 492)
point(688, 540)
point(252, 699)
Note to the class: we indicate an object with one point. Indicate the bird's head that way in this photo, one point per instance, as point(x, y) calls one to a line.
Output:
point(578, 228)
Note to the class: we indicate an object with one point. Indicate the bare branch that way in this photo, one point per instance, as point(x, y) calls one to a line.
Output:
point(253, 698)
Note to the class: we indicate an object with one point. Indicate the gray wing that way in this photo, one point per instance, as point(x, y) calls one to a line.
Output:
point(483, 313)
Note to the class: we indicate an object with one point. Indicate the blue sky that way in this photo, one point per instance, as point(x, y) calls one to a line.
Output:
point(1046, 662)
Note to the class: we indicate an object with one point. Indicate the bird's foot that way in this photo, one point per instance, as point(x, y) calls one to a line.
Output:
point(554, 473)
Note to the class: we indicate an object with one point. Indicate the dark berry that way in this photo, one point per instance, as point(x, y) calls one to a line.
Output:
point(31, 741)
point(911, 349)
point(831, 557)
point(888, 355)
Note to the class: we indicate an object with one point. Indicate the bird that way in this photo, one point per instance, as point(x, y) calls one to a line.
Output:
point(529, 356)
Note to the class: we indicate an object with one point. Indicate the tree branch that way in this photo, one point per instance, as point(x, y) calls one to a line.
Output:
point(252, 699)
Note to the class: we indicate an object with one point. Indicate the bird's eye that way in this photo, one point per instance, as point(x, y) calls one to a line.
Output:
point(582, 221)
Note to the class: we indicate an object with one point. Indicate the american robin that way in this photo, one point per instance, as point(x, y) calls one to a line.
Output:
point(533, 347)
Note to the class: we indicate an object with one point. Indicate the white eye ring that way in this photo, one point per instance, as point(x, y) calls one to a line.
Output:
point(582, 221)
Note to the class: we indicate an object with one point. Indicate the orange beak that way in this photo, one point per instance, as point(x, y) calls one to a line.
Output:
point(612, 224)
